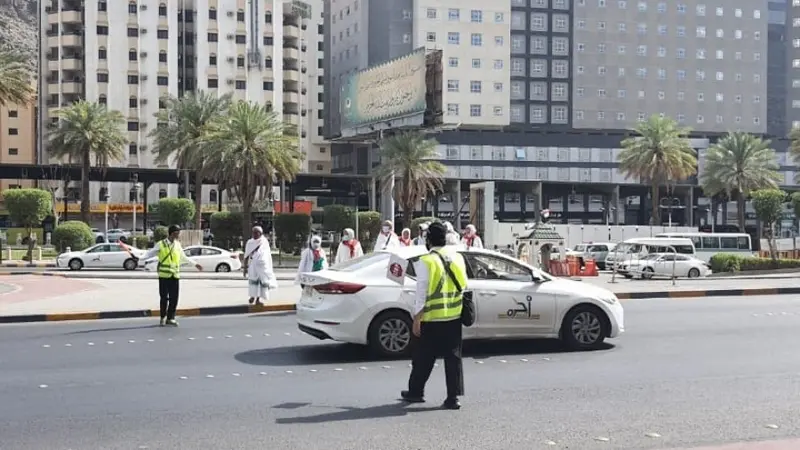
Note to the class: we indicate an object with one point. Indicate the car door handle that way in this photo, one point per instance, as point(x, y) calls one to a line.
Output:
point(409, 291)
point(489, 293)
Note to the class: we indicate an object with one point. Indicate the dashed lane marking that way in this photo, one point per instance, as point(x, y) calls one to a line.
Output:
point(194, 339)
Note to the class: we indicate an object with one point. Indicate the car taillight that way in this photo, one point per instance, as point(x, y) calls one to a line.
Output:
point(339, 288)
point(234, 256)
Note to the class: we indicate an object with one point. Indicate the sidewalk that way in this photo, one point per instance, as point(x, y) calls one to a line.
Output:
point(30, 298)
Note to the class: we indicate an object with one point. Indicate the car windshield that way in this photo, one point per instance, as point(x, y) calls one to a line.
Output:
point(360, 262)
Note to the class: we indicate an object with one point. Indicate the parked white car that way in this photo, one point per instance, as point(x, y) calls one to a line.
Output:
point(663, 265)
point(355, 302)
point(101, 256)
point(211, 258)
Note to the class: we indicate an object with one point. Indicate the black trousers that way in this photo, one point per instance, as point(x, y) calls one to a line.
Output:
point(438, 340)
point(168, 290)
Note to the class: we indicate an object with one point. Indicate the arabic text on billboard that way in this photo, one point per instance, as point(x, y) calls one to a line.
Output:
point(385, 92)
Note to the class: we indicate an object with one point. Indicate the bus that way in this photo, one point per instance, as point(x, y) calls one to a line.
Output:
point(709, 244)
point(637, 247)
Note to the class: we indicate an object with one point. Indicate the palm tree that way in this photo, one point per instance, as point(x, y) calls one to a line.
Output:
point(15, 78)
point(411, 159)
point(247, 150)
point(85, 131)
point(186, 122)
point(660, 154)
point(737, 165)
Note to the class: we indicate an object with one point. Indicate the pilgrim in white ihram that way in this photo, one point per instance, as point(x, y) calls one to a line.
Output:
point(387, 240)
point(260, 274)
point(405, 238)
point(452, 238)
point(349, 248)
point(313, 258)
point(471, 238)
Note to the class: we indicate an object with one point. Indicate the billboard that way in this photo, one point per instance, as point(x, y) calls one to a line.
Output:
point(384, 92)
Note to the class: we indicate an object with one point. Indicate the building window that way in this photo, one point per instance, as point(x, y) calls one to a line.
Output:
point(269, 86)
point(213, 83)
point(268, 17)
point(430, 36)
point(476, 63)
point(133, 126)
point(431, 13)
point(102, 6)
point(13, 151)
point(162, 56)
point(133, 102)
point(133, 79)
point(102, 30)
point(475, 87)
point(102, 53)
point(132, 55)
point(475, 110)
point(103, 100)
point(102, 77)
point(213, 37)
point(133, 149)
point(476, 16)
point(453, 38)
point(162, 10)
point(241, 85)
point(132, 32)
point(452, 85)
point(452, 109)
point(240, 16)
point(453, 14)
point(476, 39)
point(162, 34)
point(132, 8)
point(452, 62)
point(163, 81)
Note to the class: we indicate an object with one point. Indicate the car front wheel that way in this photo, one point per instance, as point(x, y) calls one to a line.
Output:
point(75, 264)
point(390, 334)
point(585, 327)
point(694, 273)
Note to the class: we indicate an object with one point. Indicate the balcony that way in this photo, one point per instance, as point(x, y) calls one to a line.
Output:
point(291, 53)
point(71, 88)
point(291, 97)
point(71, 40)
point(71, 64)
point(291, 119)
point(291, 75)
point(291, 31)
point(71, 17)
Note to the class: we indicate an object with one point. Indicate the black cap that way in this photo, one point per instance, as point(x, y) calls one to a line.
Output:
point(437, 230)
point(174, 229)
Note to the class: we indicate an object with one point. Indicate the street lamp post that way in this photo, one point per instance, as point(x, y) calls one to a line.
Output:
point(670, 203)
point(608, 211)
point(135, 205)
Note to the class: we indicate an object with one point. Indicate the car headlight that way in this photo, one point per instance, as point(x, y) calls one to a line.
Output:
point(610, 300)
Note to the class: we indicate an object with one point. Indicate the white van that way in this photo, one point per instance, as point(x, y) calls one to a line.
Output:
point(637, 247)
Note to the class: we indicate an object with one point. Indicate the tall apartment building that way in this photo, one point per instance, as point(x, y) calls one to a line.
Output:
point(17, 139)
point(260, 51)
point(543, 90)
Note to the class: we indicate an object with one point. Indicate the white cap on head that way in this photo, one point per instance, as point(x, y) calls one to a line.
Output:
point(316, 239)
point(258, 229)
point(449, 226)
point(406, 231)
point(349, 233)
point(471, 228)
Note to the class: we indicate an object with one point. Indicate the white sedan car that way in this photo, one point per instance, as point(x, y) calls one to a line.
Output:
point(209, 257)
point(101, 256)
point(665, 265)
point(355, 302)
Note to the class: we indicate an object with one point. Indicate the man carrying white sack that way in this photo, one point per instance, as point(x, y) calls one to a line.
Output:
point(387, 240)
point(471, 238)
point(260, 274)
point(349, 248)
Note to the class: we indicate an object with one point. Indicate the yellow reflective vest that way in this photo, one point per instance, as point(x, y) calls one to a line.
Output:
point(169, 259)
point(443, 301)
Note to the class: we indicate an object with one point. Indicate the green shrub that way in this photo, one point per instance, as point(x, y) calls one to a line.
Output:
point(729, 262)
point(74, 234)
point(369, 226)
point(338, 217)
point(292, 231)
point(142, 242)
point(175, 211)
point(160, 233)
point(419, 221)
point(226, 226)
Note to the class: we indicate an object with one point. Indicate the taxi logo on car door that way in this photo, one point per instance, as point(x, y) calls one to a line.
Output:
point(520, 311)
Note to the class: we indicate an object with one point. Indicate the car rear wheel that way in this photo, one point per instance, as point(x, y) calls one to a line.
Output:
point(223, 267)
point(647, 273)
point(585, 327)
point(390, 334)
point(130, 264)
point(694, 272)
point(75, 264)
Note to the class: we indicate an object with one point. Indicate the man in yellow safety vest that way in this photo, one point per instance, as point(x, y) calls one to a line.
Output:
point(170, 258)
point(441, 275)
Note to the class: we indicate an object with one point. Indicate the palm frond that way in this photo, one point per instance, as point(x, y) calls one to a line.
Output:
point(741, 163)
point(183, 126)
point(660, 153)
point(89, 129)
point(16, 78)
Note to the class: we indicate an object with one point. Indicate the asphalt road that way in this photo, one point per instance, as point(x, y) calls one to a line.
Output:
point(687, 372)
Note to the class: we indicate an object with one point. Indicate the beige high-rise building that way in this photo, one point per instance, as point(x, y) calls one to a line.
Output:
point(131, 55)
point(17, 139)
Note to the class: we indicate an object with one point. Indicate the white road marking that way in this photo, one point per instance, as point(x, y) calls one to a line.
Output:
point(67, 345)
point(262, 373)
point(478, 362)
point(362, 368)
point(771, 426)
point(266, 334)
point(248, 335)
point(184, 378)
point(287, 334)
point(652, 435)
point(312, 370)
point(110, 342)
point(131, 341)
point(338, 369)
point(387, 367)
point(525, 360)
point(209, 337)
point(602, 439)
point(209, 376)
point(42, 386)
point(545, 359)
point(236, 374)
point(503, 361)
point(46, 346)
point(191, 339)
point(90, 343)
point(151, 340)
point(549, 443)
point(289, 371)
point(228, 336)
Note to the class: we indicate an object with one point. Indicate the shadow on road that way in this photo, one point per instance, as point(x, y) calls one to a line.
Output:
point(346, 413)
point(306, 355)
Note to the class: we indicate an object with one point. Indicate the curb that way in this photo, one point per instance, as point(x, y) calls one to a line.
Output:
point(289, 307)
point(74, 276)
point(18, 265)
point(137, 314)
point(709, 293)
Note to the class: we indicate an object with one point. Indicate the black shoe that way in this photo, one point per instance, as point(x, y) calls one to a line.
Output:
point(407, 396)
point(451, 403)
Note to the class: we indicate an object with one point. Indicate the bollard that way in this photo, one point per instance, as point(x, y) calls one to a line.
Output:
point(39, 251)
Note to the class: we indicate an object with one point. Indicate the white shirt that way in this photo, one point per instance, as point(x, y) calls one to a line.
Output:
point(421, 292)
point(476, 242)
point(385, 242)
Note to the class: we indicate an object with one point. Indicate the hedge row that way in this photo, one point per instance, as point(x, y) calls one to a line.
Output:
point(731, 262)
